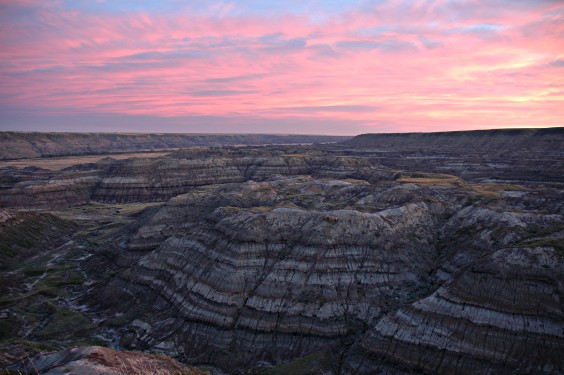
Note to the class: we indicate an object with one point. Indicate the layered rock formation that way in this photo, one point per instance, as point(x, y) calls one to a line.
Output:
point(479, 230)
point(228, 267)
point(24, 234)
point(498, 140)
point(527, 155)
point(42, 189)
point(286, 267)
point(504, 310)
point(22, 145)
point(272, 258)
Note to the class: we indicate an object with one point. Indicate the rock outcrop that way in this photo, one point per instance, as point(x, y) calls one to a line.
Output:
point(271, 268)
point(504, 310)
point(24, 145)
point(96, 360)
point(42, 189)
point(159, 179)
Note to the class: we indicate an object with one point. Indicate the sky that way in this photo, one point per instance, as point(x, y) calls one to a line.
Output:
point(260, 66)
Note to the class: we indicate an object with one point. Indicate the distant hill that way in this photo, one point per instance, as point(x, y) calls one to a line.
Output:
point(552, 138)
point(23, 145)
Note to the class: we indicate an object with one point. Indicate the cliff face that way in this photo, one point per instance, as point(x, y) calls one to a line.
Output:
point(526, 155)
point(42, 189)
point(159, 179)
point(163, 178)
point(22, 145)
point(504, 309)
point(500, 140)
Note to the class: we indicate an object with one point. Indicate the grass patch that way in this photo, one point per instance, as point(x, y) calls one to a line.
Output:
point(315, 363)
point(8, 328)
point(431, 179)
point(129, 316)
point(49, 291)
point(34, 271)
point(556, 243)
point(259, 209)
point(61, 278)
point(67, 322)
point(355, 181)
point(30, 235)
point(59, 162)
point(545, 231)
point(36, 346)
point(44, 291)
point(493, 190)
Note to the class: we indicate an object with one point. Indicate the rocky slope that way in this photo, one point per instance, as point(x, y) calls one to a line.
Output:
point(260, 268)
point(24, 235)
point(95, 360)
point(41, 189)
point(505, 310)
point(535, 155)
point(158, 179)
point(21, 145)
point(288, 267)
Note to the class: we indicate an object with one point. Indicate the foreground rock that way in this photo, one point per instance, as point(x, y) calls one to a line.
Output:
point(96, 360)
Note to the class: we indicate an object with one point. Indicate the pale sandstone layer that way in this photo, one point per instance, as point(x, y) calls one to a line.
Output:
point(96, 360)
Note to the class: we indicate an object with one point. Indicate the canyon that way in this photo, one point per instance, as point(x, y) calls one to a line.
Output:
point(432, 253)
point(25, 145)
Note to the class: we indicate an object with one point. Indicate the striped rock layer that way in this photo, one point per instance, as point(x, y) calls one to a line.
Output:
point(503, 314)
point(244, 268)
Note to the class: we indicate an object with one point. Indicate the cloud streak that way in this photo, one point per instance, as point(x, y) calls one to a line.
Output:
point(368, 66)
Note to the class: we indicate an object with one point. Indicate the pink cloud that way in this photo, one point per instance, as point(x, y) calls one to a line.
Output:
point(417, 65)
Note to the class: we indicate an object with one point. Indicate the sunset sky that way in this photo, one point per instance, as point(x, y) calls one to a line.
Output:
point(259, 66)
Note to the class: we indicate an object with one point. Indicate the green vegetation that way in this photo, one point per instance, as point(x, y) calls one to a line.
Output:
point(67, 322)
point(431, 179)
point(541, 237)
point(259, 209)
point(315, 363)
point(8, 328)
point(129, 316)
point(545, 231)
point(29, 235)
point(492, 190)
point(556, 243)
point(36, 346)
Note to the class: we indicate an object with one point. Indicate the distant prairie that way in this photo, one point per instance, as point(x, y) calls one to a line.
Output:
point(58, 163)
